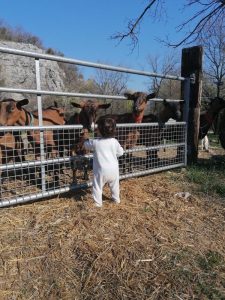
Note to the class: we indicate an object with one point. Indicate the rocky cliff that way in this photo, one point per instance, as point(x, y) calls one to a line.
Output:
point(19, 72)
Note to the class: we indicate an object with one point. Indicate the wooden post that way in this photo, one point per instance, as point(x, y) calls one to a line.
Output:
point(191, 66)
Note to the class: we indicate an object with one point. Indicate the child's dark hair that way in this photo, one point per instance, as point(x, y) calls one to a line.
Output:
point(107, 127)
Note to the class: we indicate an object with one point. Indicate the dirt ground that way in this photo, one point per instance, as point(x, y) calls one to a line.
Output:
point(164, 241)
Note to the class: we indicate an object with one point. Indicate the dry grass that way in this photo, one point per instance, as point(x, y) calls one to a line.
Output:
point(153, 245)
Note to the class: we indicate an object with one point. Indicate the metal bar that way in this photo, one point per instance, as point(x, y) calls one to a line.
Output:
point(70, 158)
point(33, 197)
point(80, 95)
point(150, 171)
point(163, 146)
point(56, 127)
point(168, 100)
point(138, 125)
point(41, 128)
point(86, 63)
point(46, 194)
point(34, 163)
point(40, 123)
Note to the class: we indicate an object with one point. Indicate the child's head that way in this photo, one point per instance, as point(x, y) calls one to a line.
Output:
point(107, 127)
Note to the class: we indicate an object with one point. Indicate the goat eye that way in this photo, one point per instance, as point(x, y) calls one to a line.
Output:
point(10, 109)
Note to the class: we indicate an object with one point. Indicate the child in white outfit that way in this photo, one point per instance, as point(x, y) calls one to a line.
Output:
point(105, 163)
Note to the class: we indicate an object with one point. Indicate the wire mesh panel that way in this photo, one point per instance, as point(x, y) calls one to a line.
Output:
point(38, 162)
point(151, 147)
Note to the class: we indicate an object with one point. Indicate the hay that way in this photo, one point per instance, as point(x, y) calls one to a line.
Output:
point(148, 247)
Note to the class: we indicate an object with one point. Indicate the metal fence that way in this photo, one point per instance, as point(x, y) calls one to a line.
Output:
point(28, 173)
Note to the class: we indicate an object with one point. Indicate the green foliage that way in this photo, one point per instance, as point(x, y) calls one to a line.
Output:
point(18, 35)
point(210, 261)
point(209, 291)
point(200, 272)
point(209, 176)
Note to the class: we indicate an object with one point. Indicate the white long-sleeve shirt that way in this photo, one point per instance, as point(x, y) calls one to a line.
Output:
point(105, 153)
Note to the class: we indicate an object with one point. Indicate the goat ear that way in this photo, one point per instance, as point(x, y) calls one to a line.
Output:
point(129, 96)
point(21, 103)
point(105, 106)
point(55, 104)
point(151, 96)
point(165, 102)
point(78, 105)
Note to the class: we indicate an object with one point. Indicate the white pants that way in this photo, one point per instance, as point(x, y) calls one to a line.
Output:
point(100, 179)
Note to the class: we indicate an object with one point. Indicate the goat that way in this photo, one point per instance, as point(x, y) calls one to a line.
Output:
point(12, 113)
point(127, 141)
point(152, 136)
point(73, 140)
point(67, 138)
point(80, 161)
point(207, 117)
point(87, 117)
point(88, 113)
point(140, 101)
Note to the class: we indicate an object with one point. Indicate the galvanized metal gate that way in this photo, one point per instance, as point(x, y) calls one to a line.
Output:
point(24, 178)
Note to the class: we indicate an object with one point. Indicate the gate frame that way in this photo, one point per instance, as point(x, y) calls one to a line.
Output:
point(39, 92)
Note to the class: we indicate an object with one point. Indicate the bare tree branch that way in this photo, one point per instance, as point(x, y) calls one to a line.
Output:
point(195, 33)
point(133, 27)
point(213, 40)
point(211, 10)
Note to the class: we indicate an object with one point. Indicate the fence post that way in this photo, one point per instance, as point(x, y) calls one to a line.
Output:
point(191, 67)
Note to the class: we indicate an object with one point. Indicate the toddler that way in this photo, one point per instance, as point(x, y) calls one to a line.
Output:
point(105, 149)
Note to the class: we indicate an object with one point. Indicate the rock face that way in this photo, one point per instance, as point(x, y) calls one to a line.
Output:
point(19, 72)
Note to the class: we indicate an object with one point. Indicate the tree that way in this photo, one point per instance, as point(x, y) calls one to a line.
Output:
point(167, 65)
point(18, 35)
point(165, 88)
point(207, 12)
point(213, 40)
point(112, 83)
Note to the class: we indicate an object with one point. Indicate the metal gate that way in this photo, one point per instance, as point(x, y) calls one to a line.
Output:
point(24, 178)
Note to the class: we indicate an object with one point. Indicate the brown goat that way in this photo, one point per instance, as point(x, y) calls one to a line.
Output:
point(71, 140)
point(88, 113)
point(208, 117)
point(78, 153)
point(129, 139)
point(12, 113)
